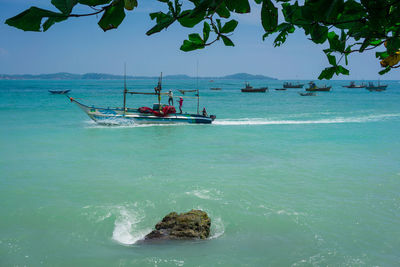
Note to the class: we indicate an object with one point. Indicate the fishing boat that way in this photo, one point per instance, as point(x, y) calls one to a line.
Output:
point(378, 88)
point(292, 85)
point(280, 89)
point(158, 114)
point(307, 94)
point(187, 91)
point(353, 85)
point(59, 92)
point(250, 89)
point(215, 88)
point(314, 88)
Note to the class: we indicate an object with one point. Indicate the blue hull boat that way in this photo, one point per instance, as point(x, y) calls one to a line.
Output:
point(119, 116)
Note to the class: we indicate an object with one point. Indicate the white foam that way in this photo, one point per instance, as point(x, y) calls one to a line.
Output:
point(205, 194)
point(125, 231)
point(263, 121)
point(217, 228)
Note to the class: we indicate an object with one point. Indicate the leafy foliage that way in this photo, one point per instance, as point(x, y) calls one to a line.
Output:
point(345, 26)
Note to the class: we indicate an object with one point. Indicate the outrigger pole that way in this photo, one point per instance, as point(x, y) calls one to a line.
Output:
point(125, 89)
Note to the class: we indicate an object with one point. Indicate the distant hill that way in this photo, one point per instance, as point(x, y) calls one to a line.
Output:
point(103, 76)
point(246, 76)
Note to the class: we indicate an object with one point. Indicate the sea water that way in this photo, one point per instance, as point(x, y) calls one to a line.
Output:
point(287, 180)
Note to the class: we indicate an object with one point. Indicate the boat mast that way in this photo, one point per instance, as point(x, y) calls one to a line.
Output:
point(125, 89)
point(197, 85)
point(159, 91)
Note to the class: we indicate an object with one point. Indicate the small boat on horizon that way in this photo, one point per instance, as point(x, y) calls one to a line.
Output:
point(280, 89)
point(216, 88)
point(314, 88)
point(187, 91)
point(378, 88)
point(59, 92)
point(250, 89)
point(307, 94)
point(293, 85)
point(354, 86)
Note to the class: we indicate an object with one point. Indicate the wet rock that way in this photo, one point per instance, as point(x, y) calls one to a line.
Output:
point(194, 224)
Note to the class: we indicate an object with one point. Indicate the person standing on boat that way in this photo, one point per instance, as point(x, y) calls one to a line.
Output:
point(171, 98)
point(180, 104)
point(205, 112)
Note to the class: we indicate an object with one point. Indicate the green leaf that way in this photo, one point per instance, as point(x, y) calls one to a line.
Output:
point(318, 33)
point(365, 44)
point(51, 21)
point(130, 4)
point(238, 6)
point(229, 26)
point(285, 29)
point(269, 16)
point(331, 59)
point(327, 73)
point(189, 19)
point(206, 31)
point(31, 19)
point(381, 55)
point(93, 2)
point(218, 24)
point(223, 11)
point(342, 70)
point(393, 45)
point(334, 43)
point(163, 21)
point(227, 41)
point(195, 38)
point(113, 16)
point(190, 46)
point(386, 70)
point(65, 6)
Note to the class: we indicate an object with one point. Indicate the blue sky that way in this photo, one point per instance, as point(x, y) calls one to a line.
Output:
point(78, 45)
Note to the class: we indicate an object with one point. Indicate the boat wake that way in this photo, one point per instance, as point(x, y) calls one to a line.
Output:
point(263, 121)
point(254, 121)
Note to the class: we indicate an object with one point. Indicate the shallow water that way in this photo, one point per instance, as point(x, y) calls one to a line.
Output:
point(287, 180)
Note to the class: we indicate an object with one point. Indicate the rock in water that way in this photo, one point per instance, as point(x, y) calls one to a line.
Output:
point(194, 224)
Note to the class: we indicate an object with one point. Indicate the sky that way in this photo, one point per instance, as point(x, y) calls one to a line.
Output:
point(78, 45)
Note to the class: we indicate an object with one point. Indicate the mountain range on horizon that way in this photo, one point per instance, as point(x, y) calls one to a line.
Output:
point(104, 76)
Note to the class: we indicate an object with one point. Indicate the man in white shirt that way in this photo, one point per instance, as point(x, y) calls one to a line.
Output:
point(171, 98)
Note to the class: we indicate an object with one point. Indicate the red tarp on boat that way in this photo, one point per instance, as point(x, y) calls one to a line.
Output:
point(164, 112)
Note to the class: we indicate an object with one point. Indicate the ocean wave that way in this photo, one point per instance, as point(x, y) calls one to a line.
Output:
point(126, 225)
point(205, 194)
point(125, 231)
point(217, 228)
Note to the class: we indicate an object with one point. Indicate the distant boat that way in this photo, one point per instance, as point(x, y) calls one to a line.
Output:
point(353, 85)
point(280, 89)
point(378, 88)
point(314, 88)
point(250, 89)
point(292, 85)
point(307, 94)
point(59, 92)
point(215, 88)
point(187, 91)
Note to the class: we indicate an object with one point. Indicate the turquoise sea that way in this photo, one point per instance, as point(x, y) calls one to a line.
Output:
point(287, 180)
